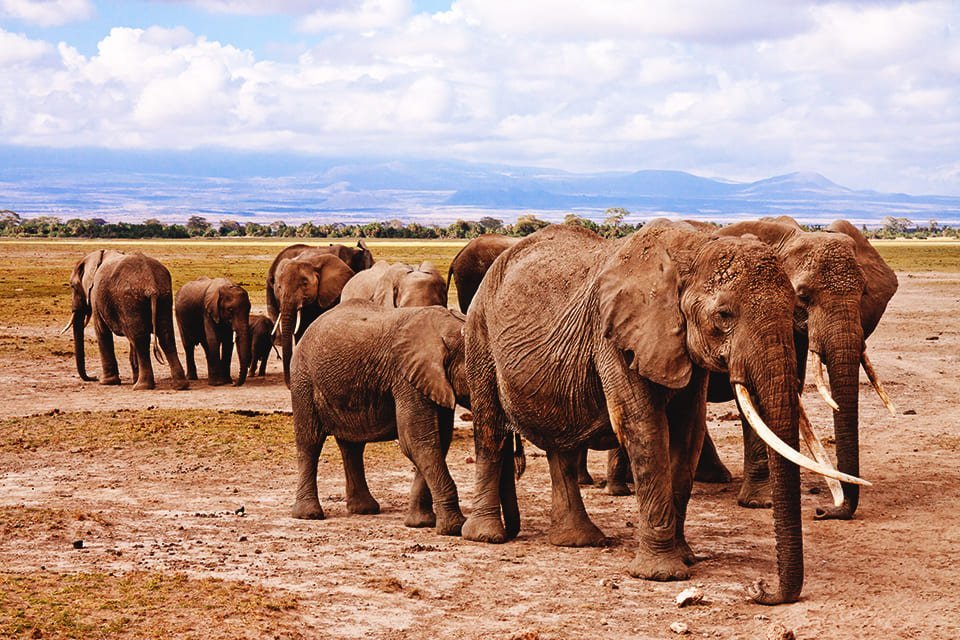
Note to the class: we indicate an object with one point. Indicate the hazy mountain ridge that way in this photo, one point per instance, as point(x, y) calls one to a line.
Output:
point(171, 186)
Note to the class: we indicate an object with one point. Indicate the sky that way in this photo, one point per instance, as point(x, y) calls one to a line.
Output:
point(866, 92)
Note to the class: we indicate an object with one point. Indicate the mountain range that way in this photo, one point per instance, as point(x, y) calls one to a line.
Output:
point(173, 185)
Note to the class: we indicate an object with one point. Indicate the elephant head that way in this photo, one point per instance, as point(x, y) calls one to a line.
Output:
point(81, 283)
point(842, 287)
point(404, 286)
point(304, 287)
point(431, 356)
point(230, 304)
point(358, 258)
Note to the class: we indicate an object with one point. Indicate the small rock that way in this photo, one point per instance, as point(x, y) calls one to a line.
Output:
point(910, 412)
point(780, 632)
point(78, 544)
point(689, 596)
point(679, 628)
point(240, 511)
point(242, 539)
point(760, 616)
point(609, 584)
point(933, 337)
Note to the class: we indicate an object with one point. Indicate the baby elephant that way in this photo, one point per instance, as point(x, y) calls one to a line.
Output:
point(364, 373)
point(261, 341)
point(210, 311)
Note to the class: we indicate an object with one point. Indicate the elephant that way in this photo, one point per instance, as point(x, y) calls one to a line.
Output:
point(843, 287)
point(398, 285)
point(357, 258)
point(364, 373)
point(575, 340)
point(304, 287)
point(211, 312)
point(261, 341)
point(472, 262)
point(127, 295)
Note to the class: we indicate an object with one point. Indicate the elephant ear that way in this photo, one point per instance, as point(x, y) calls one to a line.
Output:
point(333, 274)
point(84, 273)
point(639, 303)
point(881, 281)
point(211, 303)
point(388, 286)
point(421, 348)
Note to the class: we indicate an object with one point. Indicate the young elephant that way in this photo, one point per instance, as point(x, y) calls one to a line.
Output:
point(398, 285)
point(261, 342)
point(363, 373)
point(127, 295)
point(210, 312)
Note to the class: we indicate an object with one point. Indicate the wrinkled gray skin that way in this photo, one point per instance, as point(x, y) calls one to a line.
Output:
point(363, 373)
point(261, 342)
point(472, 262)
point(305, 287)
point(125, 295)
point(843, 287)
point(357, 258)
point(210, 312)
point(398, 285)
point(571, 338)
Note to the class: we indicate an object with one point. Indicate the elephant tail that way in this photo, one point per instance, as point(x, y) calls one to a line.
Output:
point(157, 353)
point(519, 457)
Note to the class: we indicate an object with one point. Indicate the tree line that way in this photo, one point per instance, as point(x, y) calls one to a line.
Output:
point(612, 226)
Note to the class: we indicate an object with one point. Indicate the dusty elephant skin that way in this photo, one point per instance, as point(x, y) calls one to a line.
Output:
point(473, 261)
point(843, 287)
point(571, 338)
point(363, 374)
point(125, 295)
point(398, 285)
point(210, 312)
point(261, 343)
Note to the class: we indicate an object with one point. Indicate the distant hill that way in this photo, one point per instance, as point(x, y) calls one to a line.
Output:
point(218, 184)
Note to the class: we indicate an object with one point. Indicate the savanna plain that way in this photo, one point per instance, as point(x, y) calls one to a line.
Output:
point(181, 498)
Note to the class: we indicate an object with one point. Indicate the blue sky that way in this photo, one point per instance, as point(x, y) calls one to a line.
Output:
point(866, 92)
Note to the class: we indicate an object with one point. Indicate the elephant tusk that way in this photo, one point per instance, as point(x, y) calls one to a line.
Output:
point(877, 385)
point(820, 455)
point(66, 328)
point(821, 385)
point(276, 326)
point(296, 329)
point(781, 447)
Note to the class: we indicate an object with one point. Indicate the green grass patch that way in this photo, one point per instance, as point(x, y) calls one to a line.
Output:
point(920, 255)
point(140, 605)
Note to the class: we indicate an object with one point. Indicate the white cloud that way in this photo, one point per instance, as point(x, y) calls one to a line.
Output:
point(46, 13)
point(18, 49)
point(357, 15)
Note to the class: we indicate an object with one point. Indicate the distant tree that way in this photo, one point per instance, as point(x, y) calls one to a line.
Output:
point(527, 224)
point(197, 225)
point(614, 216)
point(894, 226)
point(230, 228)
point(489, 224)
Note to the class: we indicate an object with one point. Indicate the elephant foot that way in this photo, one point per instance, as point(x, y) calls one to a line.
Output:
point(180, 384)
point(307, 510)
point(481, 529)
point(218, 382)
point(584, 477)
point(450, 524)
point(144, 384)
point(110, 381)
point(661, 567)
point(843, 512)
point(420, 519)
point(687, 555)
point(755, 494)
point(714, 472)
point(192, 376)
point(618, 489)
point(365, 506)
point(581, 535)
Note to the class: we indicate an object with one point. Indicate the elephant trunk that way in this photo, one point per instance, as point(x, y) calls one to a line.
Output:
point(775, 386)
point(79, 318)
point(288, 319)
point(842, 357)
point(241, 331)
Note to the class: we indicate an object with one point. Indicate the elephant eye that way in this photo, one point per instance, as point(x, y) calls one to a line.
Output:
point(803, 296)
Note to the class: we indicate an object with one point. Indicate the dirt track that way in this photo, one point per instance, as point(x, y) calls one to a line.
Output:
point(890, 573)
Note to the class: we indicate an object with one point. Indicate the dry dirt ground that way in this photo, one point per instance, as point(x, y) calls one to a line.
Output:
point(890, 573)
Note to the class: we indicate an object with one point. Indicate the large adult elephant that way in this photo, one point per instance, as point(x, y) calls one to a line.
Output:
point(365, 373)
point(212, 312)
point(573, 339)
point(472, 262)
point(304, 287)
point(843, 287)
point(125, 295)
point(398, 285)
point(357, 258)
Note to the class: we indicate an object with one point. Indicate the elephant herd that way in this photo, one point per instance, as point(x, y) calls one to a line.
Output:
point(567, 339)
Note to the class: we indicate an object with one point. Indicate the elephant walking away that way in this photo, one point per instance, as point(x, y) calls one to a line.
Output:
point(575, 340)
point(261, 343)
point(473, 261)
point(210, 313)
point(126, 295)
point(363, 373)
point(398, 285)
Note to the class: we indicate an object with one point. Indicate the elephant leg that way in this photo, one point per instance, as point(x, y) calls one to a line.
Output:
point(755, 492)
point(618, 472)
point(309, 438)
point(508, 491)
point(710, 468)
point(134, 367)
point(189, 348)
point(110, 371)
point(211, 349)
point(141, 344)
point(570, 526)
point(359, 499)
point(583, 474)
point(425, 437)
point(168, 344)
point(687, 417)
point(420, 510)
point(226, 356)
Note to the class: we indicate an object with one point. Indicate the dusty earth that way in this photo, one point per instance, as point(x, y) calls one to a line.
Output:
point(890, 573)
